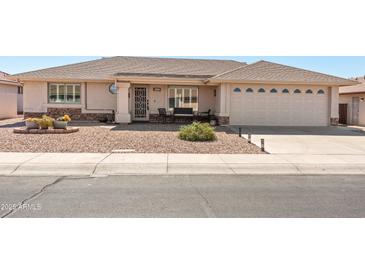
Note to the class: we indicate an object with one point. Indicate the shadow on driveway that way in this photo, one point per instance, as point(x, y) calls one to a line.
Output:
point(161, 127)
point(12, 123)
point(320, 131)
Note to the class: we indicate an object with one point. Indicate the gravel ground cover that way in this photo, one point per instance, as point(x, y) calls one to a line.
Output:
point(143, 138)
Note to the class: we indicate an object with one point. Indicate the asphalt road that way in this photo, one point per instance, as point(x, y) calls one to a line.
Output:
point(184, 196)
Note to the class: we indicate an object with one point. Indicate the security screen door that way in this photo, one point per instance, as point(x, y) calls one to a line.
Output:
point(140, 104)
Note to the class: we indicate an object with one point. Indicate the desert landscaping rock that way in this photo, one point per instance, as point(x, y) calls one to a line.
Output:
point(142, 138)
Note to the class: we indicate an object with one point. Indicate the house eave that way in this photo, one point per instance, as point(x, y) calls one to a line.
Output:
point(10, 83)
point(339, 84)
point(140, 80)
point(66, 80)
point(351, 92)
point(179, 80)
point(162, 80)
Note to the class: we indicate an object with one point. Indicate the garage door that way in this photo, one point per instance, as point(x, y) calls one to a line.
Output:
point(273, 106)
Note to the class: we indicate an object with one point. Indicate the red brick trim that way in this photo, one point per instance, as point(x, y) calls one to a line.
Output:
point(75, 114)
point(223, 120)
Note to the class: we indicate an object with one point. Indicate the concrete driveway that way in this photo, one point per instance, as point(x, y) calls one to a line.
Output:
point(308, 140)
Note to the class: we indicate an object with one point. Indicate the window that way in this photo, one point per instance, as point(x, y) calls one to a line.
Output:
point(237, 90)
point(20, 90)
point(285, 90)
point(297, 91)
point(183, 97)
point(273, 91)
point(309, 91)
point(249, 90)
point(64, 93)
point(321, 91)
point(261, 90)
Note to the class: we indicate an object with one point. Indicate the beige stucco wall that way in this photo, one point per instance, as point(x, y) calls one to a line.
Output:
point(159, 99)
point(207, 100)
point(216, 98)
point(20, 103)
point(8, 101)
point(347, 99)
point(334, 102)
point(95, 97)
point(222, 102)
point(35, 97)
point(217, 107)
point(99, 99)
point(362, 112)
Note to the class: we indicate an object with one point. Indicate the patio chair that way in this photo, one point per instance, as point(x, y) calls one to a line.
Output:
point(183, 114)
point(205, 115)
point(162, 115)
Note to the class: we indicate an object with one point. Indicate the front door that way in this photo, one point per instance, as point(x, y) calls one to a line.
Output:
point(343, 114)
point(141, 107)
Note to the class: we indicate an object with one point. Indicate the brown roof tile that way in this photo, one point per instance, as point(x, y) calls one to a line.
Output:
point(4, 80)
point(360, 88)
point(106, 68)
point(213, 70)
point(264, 71)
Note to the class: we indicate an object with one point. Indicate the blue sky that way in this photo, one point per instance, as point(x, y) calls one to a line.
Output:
point(340, 66)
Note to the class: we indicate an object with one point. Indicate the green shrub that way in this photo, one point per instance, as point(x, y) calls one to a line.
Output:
point(46, 121)
point(197, 132)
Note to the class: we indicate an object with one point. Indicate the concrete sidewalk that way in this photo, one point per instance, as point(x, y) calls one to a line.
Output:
point(102, 164)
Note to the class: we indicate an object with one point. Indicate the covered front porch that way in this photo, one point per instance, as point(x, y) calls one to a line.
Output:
point(180, 102)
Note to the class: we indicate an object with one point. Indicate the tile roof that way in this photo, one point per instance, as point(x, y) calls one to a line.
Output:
point(360, 88)
point(203, 69)
point(264, 71)
point(4, 80)
point(106, 68)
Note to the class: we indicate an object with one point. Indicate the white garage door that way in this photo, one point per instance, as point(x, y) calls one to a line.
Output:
point(272, 106)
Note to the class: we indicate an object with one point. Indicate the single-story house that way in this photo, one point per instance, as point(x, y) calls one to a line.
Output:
point(352, 103)
point(11, 98)
point(134, 88)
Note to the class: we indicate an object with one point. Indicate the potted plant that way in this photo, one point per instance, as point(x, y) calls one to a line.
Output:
point(45, 122)
point(32, 123)
point(61, 122)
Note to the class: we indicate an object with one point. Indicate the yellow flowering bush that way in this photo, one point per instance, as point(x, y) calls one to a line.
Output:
point(33, 120)
point(64, 118)
point(45, 121)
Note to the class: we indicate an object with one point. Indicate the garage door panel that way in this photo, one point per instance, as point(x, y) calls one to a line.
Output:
point(279, 109)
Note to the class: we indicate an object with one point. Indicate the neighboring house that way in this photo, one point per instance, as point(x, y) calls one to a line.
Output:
point(11, 99)
point(352, 104)
point(262, 93)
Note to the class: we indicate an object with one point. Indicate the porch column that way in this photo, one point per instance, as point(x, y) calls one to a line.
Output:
point(334, 101)
point(223, 103)
point(123, 115)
